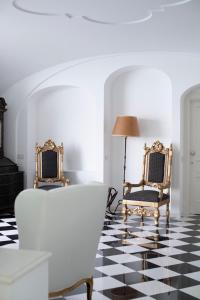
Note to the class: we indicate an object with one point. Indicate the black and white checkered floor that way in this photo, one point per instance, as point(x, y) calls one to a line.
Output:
point(151, 263)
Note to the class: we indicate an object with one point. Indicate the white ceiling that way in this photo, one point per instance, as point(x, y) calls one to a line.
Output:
point(36, 34)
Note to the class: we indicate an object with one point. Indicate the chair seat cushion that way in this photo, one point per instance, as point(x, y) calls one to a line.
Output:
point(49, 187)
point(146, 195)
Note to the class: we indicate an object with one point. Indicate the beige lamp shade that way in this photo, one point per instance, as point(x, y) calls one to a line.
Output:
point(126, 126)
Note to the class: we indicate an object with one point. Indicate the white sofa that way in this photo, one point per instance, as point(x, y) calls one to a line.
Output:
point(66, 222)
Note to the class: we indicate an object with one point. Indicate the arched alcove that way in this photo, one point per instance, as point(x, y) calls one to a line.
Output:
point(189, 159)
point(65, 114)
point(147, 94)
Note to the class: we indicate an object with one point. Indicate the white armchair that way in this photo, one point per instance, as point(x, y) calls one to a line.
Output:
point(66, 222)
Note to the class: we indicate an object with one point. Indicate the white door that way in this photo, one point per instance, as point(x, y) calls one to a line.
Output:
point(194, 154)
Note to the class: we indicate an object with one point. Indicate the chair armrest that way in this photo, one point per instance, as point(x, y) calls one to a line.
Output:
point(35, 183)
point(129, 185)
point(66, 181)
point(161, 186)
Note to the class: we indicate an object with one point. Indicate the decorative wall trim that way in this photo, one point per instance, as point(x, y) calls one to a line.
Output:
point(140, 19)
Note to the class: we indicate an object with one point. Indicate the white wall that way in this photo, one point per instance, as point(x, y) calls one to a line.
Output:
point(93, 75)
point(68, 115)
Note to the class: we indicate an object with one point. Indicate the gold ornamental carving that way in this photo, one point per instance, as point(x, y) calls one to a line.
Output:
point(157, 146)
point(141, 211)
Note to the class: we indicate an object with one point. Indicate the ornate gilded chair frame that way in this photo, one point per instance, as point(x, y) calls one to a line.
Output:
point(161, 186)
point(49, 145)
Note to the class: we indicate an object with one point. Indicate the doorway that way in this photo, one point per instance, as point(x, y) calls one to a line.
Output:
point(191, 152)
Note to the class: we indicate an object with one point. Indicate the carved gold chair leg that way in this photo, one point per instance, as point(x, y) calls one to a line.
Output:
point(142, 216)
point(126, 213)
point(156, 216)
point(167, 213)
point(89, 284)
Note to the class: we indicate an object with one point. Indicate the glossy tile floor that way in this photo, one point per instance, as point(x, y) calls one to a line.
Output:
point(138, 262)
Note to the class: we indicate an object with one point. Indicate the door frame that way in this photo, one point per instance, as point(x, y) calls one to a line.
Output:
point(185, 149)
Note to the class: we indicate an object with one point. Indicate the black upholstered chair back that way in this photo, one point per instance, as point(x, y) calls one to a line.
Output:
point(156, 167)
point(157, 164)
point(49, 164)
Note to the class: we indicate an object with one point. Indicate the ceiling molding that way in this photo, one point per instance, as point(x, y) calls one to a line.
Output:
point(148, 15)
point(25, 10)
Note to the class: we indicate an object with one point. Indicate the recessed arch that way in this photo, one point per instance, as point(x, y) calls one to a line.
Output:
point(146, 93)
point(66, 114)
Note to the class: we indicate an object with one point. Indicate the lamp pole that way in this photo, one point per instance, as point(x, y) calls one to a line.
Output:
point(125, 126)
point(124, 175)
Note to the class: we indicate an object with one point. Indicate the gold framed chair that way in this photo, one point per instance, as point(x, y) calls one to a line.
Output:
point(156, 175)
point(49, 166)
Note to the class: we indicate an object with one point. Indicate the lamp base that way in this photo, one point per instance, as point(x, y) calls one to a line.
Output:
point(113, 213)
point(112, 193)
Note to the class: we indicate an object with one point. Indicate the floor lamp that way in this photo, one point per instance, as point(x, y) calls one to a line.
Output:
point(125, 126)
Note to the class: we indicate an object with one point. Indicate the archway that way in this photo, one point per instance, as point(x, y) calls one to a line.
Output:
point(143, 92)
point(190, 148)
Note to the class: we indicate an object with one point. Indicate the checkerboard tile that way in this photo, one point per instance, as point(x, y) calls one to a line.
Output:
point(194, 275)
point(193, 291)
point(124, 258)
point(195, 263)
point(138, 262)
point(169, 251)
point(159, 273)
point(196, 252)
point(104, 283)
point(95, 296)
point(152, 287)
point(173, 243)
point(164, 261)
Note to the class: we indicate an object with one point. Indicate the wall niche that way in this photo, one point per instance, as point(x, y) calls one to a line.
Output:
point(147, 94)
point(65, 114)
